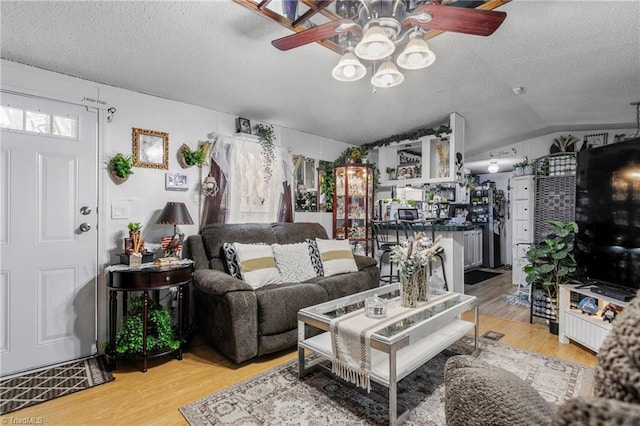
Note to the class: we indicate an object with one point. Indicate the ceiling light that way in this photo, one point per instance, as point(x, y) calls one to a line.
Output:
point(374, 44)
point(387, 76)
point(417, 54)
point(349, 68)
point(493, 166)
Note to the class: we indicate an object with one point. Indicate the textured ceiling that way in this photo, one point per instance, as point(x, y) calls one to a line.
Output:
point(579, 62)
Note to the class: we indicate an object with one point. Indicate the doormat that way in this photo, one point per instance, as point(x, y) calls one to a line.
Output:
point(278, 397)
point(493, 335)
point(33, 388)
point(476, 276)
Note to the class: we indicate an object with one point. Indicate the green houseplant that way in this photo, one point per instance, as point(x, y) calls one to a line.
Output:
point(160, 332)
point(188, 157)
point(552, 264)
point(120, 167)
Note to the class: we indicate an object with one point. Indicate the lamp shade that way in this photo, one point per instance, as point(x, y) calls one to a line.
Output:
point(387, 76)
point(374, 45)
point(417, 54)
point(349, 68)
point(175, 213)
point(493, 166)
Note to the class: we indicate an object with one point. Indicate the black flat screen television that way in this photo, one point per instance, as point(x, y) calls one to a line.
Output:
point(608, 214)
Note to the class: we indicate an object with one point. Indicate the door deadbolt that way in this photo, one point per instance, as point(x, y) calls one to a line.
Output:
point(85, 227)
point(85, 210)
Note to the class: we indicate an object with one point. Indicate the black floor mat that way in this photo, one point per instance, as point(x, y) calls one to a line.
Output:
point(474, 277)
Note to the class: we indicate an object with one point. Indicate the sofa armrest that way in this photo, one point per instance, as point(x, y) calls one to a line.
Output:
point(217, 283)
point(594, 411)
point(364, 261)
point(194, 250)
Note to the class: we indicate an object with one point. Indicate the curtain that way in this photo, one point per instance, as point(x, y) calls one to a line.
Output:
point(248, 192)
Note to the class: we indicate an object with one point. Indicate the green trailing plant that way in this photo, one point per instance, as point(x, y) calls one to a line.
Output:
point(522, 164)
point(160, 336)
point(551, 262)
point(266, 135)
point(196, 157)
point(121, 165)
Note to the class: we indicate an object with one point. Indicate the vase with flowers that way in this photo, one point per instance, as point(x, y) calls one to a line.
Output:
point(413, 258)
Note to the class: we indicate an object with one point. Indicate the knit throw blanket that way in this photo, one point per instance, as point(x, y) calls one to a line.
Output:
point(351, 342)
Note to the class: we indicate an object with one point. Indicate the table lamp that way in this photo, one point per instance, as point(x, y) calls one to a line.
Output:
point(174, 213)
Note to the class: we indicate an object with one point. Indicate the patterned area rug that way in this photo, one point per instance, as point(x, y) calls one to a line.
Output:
point(517, 299)
point(33, 388)
point(277, 397)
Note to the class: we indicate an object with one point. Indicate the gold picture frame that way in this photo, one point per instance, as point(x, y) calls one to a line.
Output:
point(150, 149)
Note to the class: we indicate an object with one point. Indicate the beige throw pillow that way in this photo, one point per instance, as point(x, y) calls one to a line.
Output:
point(337, 257)
point(293, 262)
point(257, 264)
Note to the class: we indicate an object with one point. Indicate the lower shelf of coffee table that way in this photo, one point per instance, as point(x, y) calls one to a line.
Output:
point(420, 350)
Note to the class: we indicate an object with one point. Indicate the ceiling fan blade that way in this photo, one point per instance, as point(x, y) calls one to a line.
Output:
point(321, 32)
point(457, 19)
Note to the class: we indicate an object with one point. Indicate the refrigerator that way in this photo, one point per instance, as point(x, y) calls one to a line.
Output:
point(484, 211)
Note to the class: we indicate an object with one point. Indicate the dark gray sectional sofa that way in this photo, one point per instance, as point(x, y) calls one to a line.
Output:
point(242, 323)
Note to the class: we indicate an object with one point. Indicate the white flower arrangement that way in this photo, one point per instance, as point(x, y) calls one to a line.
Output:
point(415, 253)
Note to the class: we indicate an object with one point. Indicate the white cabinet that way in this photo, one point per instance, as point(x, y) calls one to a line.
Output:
point(523, 199)
point(588, 330)
point(472, 248)
point(429, 159)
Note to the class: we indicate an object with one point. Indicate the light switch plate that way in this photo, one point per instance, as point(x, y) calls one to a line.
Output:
point(120, 210)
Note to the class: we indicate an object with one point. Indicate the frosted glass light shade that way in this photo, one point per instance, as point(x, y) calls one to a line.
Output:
point(493, 166)
point(374, 45)
point(416, 54)
point(349, 68)
point(387, 76)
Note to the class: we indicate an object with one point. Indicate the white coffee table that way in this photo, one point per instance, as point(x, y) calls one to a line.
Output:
point(400, 348)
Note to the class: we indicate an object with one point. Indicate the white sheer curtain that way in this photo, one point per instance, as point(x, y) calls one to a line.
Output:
point(252, 197)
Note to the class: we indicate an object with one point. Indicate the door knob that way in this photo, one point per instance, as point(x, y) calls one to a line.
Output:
point(85, 227)
point(85, 210)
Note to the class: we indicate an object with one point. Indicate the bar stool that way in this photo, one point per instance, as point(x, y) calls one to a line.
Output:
point(383, 232)
point(409, 230)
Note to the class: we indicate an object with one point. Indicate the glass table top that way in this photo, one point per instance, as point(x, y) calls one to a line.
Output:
point(424, 312)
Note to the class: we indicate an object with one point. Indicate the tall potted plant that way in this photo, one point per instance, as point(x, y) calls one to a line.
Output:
point(551, 264)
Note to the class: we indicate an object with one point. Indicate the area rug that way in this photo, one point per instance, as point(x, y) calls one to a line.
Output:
point(518, 299)
point(278, 397)
point(36, 387)
point(477, 276)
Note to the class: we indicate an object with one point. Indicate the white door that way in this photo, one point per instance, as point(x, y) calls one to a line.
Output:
point(48, 190)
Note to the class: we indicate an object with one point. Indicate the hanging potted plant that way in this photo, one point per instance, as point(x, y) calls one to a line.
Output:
point(120, 167)
point(552, 264)
point(266, 138)
point(188, 157)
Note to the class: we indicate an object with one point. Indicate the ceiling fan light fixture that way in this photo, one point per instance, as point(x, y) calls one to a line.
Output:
point(387, 76)
point(416, 54)
point(374, 45)
point(349, 68)
point(493, 166)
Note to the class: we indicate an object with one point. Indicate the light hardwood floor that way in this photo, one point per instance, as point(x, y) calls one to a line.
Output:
point(153, 398)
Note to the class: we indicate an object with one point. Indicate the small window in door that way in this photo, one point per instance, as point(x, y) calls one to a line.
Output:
point(38, 122)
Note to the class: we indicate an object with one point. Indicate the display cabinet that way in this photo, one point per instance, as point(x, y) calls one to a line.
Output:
point(353, 201)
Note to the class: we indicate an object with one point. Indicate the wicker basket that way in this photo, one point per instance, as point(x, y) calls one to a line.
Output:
point(117, 179)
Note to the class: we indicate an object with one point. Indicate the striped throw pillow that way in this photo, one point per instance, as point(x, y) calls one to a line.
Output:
point(337, 257)
point(257, 264)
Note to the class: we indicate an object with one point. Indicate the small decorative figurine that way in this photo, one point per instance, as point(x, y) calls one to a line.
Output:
point(609, 312)
point(588, 305)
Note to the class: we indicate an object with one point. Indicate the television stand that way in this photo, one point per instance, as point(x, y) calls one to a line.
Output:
point(588, 330)
point(612, 292)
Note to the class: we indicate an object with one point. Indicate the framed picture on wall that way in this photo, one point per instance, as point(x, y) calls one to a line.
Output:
point(595, 140)
point(150, 149)
point(176, 181)
point(406, 171)
point(244, 125)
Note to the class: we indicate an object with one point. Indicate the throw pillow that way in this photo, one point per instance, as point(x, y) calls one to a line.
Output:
point(233, 267)
point(316, 260)
point(337, 257)
point(293, 262)
point(257, 264)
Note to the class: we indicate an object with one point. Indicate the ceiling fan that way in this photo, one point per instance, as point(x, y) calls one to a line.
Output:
point(376, 30)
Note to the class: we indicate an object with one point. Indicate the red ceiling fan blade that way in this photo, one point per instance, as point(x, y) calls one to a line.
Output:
point(321, 32)
point(457, 19)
